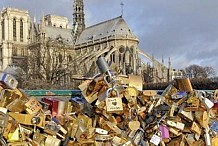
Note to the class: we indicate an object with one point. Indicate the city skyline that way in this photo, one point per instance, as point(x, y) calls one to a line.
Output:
point(183, 30)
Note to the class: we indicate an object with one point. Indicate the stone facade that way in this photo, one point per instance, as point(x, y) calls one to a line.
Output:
point(14, 32)
point(112, 39)
point(50, 50)
point(56, 21)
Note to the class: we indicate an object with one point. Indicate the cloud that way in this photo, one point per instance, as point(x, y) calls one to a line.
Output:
point(186, 31)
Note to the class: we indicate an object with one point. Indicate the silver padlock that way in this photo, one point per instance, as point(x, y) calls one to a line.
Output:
point(104, 69)
point(138, 137)
point(102, 65)
point(202, 97)
point(8, 80)
point(207, 137)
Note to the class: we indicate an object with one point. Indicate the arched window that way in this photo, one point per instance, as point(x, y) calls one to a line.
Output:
point(69, 58)
point(60, 58)
point(14, 51)
point(21, 30)
point(3, 29)
point(22, 52)
point(14, 30)
point(113, 57)
point(132, 49)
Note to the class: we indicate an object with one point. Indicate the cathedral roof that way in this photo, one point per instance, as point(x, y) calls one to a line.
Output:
point(113, 27)
point(55, 32)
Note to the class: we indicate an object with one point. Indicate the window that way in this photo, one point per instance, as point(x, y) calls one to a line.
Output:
point(1, 54)
point(3, 29)
point(130, 59)
point(14, 30)
point(69, 58)
point(113, 57)
point(22, 52)
point(60, 58)
point(14, 51)
point(21, 30)
point(122, 49)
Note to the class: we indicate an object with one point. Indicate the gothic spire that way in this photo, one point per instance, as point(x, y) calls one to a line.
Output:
point(78, 17)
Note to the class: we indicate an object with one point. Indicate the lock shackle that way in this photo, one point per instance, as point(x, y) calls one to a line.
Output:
point(202, 93)
point(106, 80)
point(111, 82)
point(201, 96)
point(110, 90)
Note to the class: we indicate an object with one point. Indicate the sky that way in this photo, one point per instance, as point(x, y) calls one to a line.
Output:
point(184, 30)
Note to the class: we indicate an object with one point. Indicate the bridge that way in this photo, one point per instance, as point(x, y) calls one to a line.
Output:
point(87, 63)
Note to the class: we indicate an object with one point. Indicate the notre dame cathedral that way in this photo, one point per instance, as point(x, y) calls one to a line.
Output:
point(51, 50)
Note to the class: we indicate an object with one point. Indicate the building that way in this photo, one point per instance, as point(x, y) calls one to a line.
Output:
point(14, 36)
point(177, 74)
point(52, 51)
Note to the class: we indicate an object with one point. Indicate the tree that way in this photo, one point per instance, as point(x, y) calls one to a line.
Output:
point(196, 71)
point(49, 62)
point(209, 71)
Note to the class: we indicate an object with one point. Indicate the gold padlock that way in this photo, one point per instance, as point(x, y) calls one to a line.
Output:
point(172, 109)
point(177, 125)
point(114, 127)
point(135, 81)
point(192, 104)
point(195, 128)
point(203, 118)
point(8, 96)
point(215, 96)
point(103, 138)
point(52, 141)
point(19, 144)
point(134, 125)
point(75, 126)
point(170, 90)
point(174, 131)
point(186, 115)
point(215, 141)
point(38, 137)
point(84, 85)
point(114, 104)
point(14, 137)
point(33, 106)
point(116, 140)
point(184, 84)
point(7, 130)
point(88, 92)
point(149, 93)
point(28, 119)
point(16, 106)
point(68, 107)
point(91, 97)
point(123, 79)
point(132, 91)
point(85, 120)
point(82, 132)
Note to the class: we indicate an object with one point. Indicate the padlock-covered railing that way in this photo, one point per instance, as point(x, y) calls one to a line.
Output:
point(110, 109)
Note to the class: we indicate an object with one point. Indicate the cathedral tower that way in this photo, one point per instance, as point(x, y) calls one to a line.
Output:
point(78, 18)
